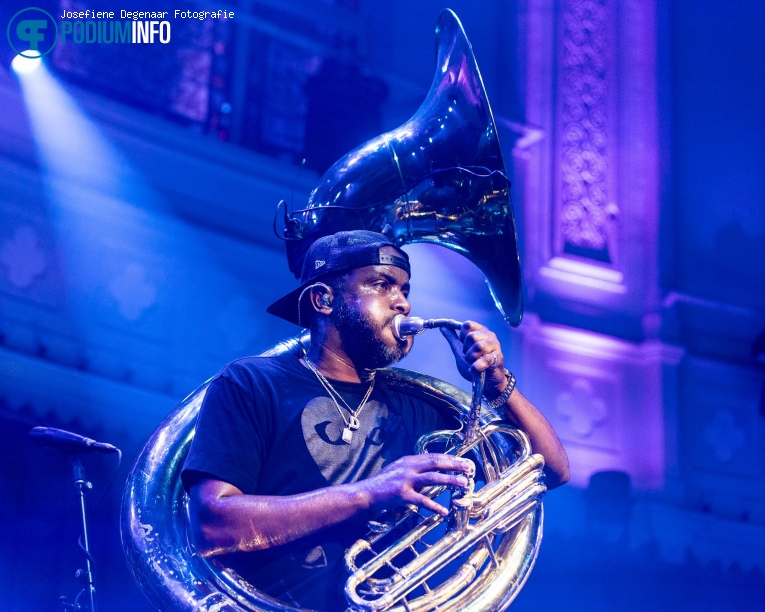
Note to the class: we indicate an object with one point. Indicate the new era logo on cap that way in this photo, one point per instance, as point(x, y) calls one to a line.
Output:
point(319, 263)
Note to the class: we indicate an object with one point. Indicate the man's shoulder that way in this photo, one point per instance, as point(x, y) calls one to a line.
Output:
point(255, 367)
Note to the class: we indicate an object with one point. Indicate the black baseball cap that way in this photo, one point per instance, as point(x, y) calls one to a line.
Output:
point(337, 253)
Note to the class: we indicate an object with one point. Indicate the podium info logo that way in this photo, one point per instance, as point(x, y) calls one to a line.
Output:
point(32, 32)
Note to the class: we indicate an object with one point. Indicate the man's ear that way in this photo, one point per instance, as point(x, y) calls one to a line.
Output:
point(321, 298)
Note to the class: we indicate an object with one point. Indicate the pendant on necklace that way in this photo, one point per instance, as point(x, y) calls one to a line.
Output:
point(353, 423)
point(348, 434)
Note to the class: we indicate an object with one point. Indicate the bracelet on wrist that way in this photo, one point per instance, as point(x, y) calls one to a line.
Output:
point(505, 395)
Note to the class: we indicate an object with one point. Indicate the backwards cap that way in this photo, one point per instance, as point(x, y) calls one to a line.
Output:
point(337, 253)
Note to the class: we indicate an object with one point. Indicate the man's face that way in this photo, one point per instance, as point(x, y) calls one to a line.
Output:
point(363, 313)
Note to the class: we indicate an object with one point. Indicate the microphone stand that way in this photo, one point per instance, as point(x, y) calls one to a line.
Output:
point(72, 445)
point(80, 484)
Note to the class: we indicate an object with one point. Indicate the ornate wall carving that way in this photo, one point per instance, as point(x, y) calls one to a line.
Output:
point(585, 74)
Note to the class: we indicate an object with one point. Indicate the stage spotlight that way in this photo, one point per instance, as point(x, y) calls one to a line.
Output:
point(24, 64)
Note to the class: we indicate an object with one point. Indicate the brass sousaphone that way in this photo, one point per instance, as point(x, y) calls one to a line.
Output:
point(439, 178)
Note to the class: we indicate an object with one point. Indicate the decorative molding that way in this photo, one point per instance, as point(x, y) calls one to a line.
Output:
point(731, 336)
point(592, 345)
point(581, 408)
point(133, 292)
point(585, 274)
point(102, 403)
point(720, 425)
point(681, 532)
point(591, 184)
point(672, 298)
point(607, 399)
point(23, 257)
point(585, 73)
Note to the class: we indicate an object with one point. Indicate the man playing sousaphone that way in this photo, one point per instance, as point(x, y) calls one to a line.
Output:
point(293, 454)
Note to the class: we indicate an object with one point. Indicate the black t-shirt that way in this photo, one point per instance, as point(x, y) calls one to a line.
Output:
point(268, 427)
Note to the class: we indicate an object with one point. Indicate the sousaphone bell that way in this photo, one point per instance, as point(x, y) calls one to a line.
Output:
point(439, 178)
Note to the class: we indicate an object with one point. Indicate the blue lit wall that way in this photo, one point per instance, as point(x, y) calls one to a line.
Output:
point(137, 257)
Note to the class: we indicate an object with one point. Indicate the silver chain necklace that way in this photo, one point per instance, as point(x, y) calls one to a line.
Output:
point(352, 423)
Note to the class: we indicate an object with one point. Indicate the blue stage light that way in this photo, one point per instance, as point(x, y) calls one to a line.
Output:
point(24, 64)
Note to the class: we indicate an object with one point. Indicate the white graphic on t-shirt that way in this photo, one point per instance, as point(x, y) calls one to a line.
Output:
point(315, 558)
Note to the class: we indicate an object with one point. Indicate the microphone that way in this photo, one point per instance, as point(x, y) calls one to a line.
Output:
point(68, 442)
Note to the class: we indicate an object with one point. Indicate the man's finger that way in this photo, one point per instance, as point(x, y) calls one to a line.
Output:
point(425, 502)
point(429, 479)
point(484, 362)
point(454, 341)
point(442, 463)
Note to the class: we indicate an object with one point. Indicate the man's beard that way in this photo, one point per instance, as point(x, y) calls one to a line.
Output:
point(362, 338)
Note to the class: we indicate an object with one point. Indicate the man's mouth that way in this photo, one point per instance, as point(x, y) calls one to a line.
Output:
point(399, 341)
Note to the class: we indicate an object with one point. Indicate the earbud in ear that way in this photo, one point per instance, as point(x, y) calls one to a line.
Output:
point(326, 300)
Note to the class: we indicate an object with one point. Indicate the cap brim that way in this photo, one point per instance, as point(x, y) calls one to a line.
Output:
point(287, 307)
